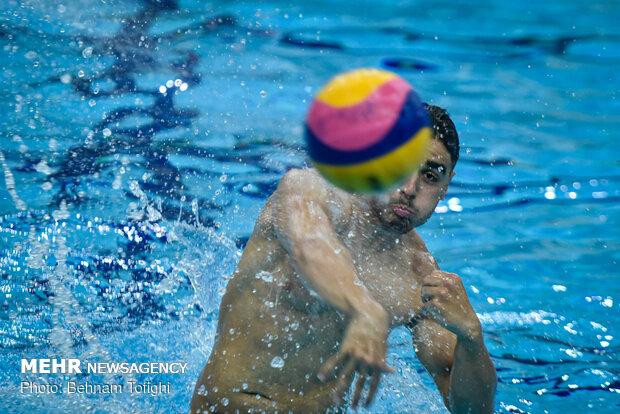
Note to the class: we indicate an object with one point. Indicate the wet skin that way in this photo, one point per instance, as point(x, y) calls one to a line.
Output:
point(324, 277)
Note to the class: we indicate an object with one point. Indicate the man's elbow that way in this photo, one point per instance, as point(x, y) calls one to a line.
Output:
point(480, 400)
point(294, 181)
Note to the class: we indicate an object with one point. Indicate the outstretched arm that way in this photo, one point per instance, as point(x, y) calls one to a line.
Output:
point(325, 264)
point(321, 259)
point(449, 342)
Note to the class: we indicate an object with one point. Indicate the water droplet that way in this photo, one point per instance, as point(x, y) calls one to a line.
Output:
point(224, 401)
point(277, 362)
point(263, 94)
point(87, 52)
point(266, 276)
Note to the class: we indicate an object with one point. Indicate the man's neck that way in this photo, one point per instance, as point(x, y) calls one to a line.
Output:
point(372, 230)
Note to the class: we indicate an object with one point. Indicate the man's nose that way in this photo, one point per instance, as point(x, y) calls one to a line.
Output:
point(410, 187)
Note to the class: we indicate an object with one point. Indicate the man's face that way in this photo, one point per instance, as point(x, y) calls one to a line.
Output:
point(415, 200)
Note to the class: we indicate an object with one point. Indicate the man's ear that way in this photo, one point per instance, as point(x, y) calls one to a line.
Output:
point(445, 190)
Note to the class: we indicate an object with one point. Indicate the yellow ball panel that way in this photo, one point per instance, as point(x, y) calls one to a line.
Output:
point(352, 87)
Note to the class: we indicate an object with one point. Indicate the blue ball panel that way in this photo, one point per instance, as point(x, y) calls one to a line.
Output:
point(412, 117)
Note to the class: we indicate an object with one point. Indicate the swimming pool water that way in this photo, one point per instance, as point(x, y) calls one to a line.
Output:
point(139, 141)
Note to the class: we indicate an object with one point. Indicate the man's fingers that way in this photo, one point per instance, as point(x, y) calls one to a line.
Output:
point(433, 308)
point(359, 386)
point(373, 388)
point(434, 279)
point(386, 368)
point(330, 366)
point(344, 381)
point(431, 305)
point(431, 282)
point(429, 292)
point(348, 369)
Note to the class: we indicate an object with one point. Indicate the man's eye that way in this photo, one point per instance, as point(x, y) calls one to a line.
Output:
point(430, 176)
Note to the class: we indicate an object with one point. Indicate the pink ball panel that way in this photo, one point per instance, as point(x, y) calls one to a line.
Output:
point(361, 125)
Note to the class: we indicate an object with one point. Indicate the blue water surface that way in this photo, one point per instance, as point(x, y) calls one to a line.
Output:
point(139, 141)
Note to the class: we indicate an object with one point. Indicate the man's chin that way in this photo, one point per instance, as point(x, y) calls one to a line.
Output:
point(396, 222)
point(404, 228)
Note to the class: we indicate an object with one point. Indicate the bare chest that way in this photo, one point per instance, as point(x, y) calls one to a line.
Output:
point(394, 280)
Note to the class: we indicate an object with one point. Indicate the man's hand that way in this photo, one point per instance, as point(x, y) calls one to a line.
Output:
point(363, 352)
point(467, 378)
point(445, 299)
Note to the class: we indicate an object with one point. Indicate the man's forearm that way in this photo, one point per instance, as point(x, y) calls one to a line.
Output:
point(473, 379)
point(333, 276)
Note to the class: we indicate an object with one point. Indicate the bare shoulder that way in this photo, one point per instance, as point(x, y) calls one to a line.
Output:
point(309, 186)
point(303, 182)
point(421, 257)
point(296, 183)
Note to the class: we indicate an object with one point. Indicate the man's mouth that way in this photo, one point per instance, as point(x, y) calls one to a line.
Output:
point(402, 211)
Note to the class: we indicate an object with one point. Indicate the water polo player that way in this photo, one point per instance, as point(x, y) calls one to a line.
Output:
point(325, 276)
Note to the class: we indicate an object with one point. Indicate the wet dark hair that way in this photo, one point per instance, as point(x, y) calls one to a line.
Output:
point(444, 130)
